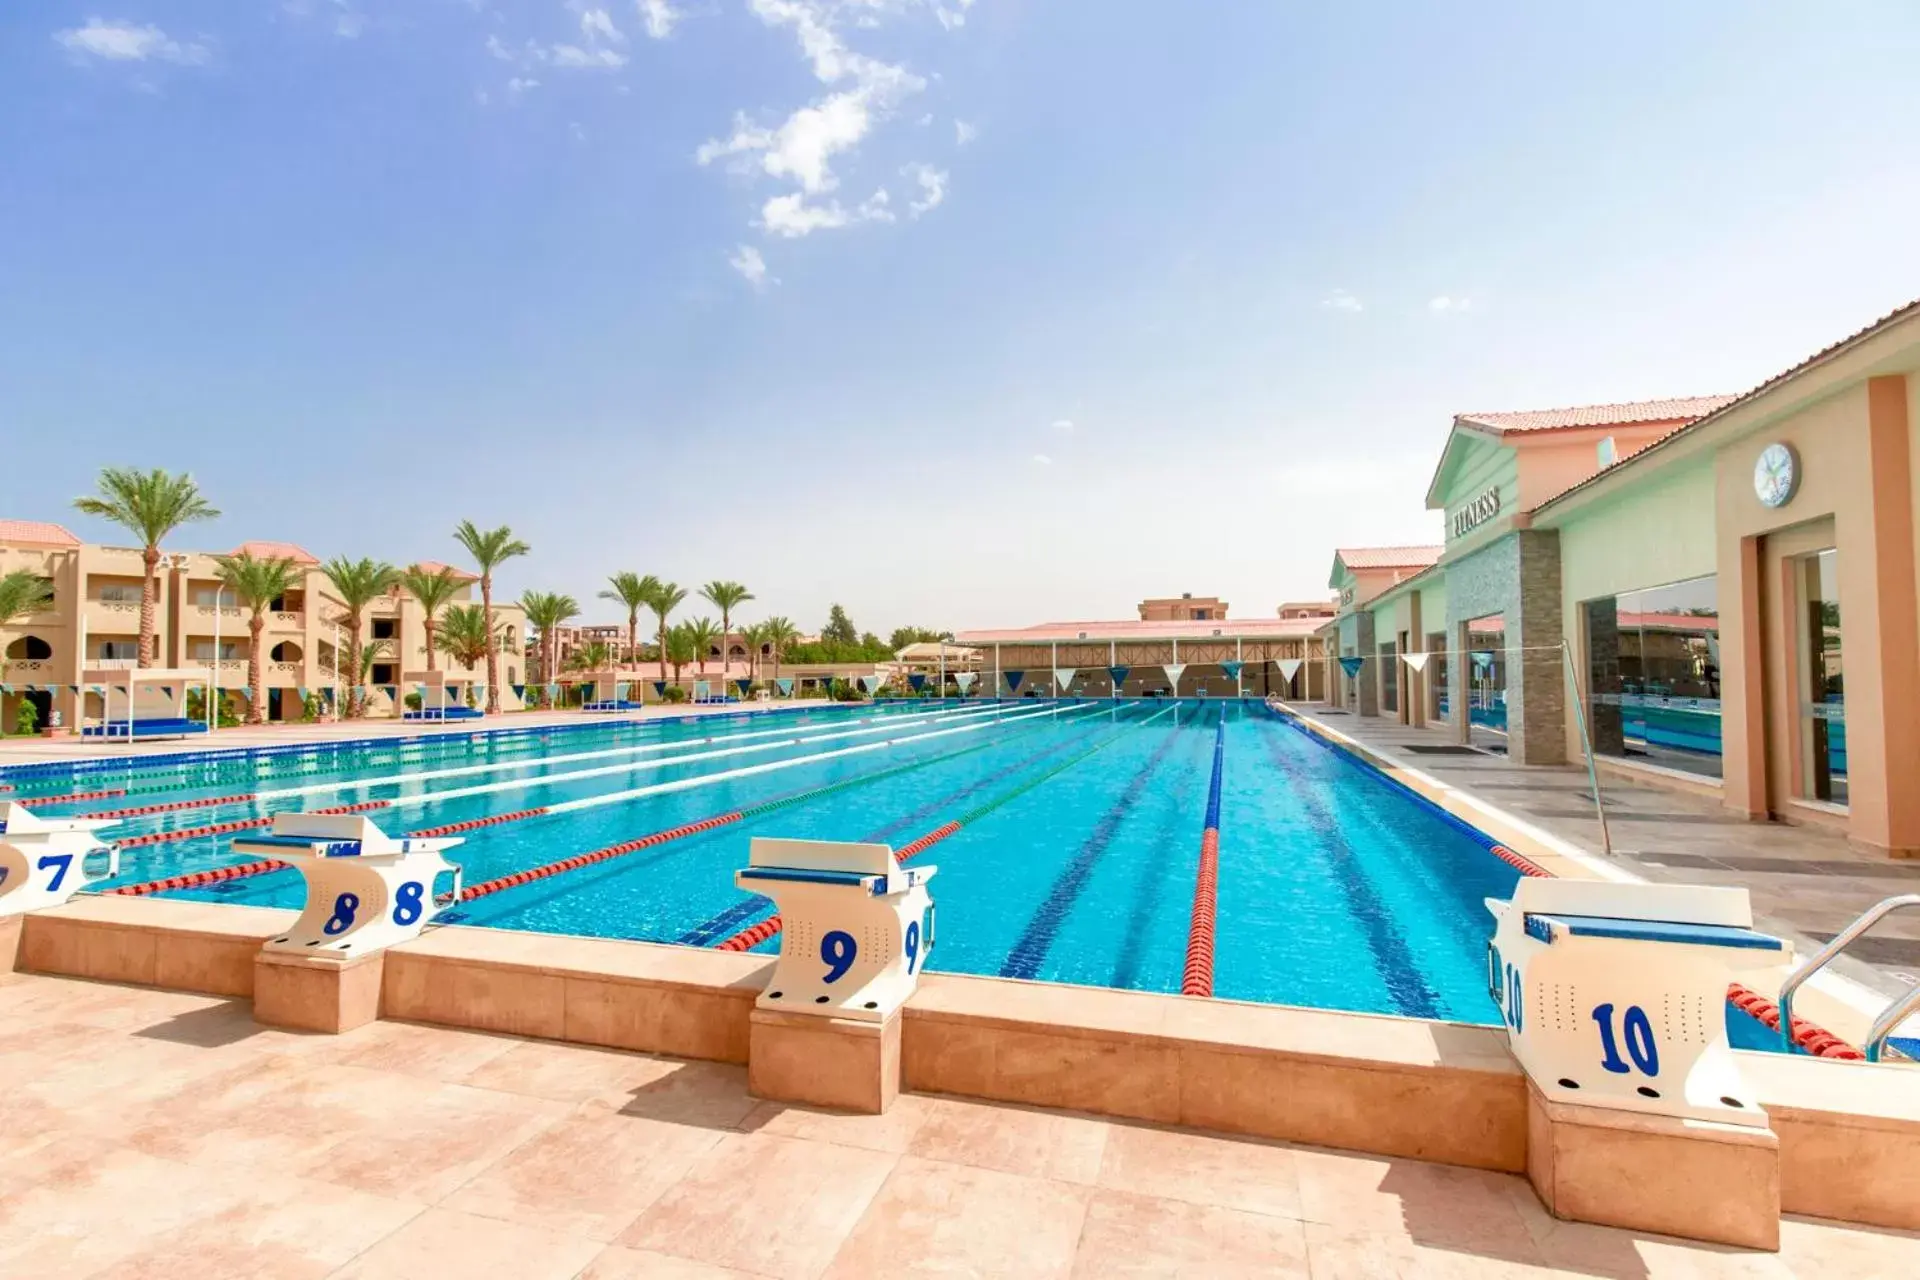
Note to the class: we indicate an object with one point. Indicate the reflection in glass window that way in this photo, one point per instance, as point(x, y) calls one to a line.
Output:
point(1823, 696)
point(1389, 670)
point(1653, 675)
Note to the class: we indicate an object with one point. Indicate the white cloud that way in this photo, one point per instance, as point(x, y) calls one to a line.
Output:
point(597, 24)
point(482, 97)
point(752, 267)
point(498, 49)
point(517, 85)
point(1444, 305)
point(790, 216)
point(963, 133)
point(348, 22)
point(576, 131)
point(1341, 300)
point(933, 188)
point(954, 17)
point(124, 42)
point(877, 207)
point(573, 57)
point(1042, 460)
point(659, 17)
point(1063, 426)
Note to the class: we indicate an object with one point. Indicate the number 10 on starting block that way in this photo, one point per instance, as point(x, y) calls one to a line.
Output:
point(856, 926)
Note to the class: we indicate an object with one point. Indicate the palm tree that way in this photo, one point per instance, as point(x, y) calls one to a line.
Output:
point(780, 632)
point(151, 505)
point(597, 656)
point(363, 670)
point(490, 549)
point(23, 592)
point(256, 584)
point(726, 597)
point(665, 599)
point(754, 634)
point(547, 611)
point(435, 591)
point(681, 649)
point(703, 633)
point(633, 591)
point(465, 636)
point(358, 583)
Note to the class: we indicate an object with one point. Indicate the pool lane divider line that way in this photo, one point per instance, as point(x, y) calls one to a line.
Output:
point(754, 935)
point(1196, 979)
point(216, 875)
point(172, 806)
point(607, 753)
point(249, 824)
point(1030, 950)
point(514, 879)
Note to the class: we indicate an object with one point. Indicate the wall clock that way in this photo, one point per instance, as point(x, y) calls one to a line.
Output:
point(1776, 475)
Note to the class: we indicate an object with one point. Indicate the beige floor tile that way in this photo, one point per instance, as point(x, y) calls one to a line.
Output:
point(779, 1206)
point(938, 1219)
point(571, 1072)
point(441, 1243)
point(408, 1048)
point(1814, 1247)
point(284, 1227)
point(893, 1131)
point(703, 1093)
point(1141, 1236)
point(87, 1208)
point(591, 1174)
point(1429, 1204)
point(1034, 1143)
point(1203, 1169)
point(618, 1263)
point(1335, 1255)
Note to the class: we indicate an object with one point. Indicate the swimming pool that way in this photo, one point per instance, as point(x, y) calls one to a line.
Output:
point(1068, 836)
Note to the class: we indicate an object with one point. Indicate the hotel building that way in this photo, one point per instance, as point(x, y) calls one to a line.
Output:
point(199, 625)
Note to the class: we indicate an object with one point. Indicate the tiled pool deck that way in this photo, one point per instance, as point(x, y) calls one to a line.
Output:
point(155, 1134)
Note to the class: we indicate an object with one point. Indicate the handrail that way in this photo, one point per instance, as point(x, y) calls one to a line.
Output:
point(1890, 1017)
point(1586, 738)
point(1841, 941)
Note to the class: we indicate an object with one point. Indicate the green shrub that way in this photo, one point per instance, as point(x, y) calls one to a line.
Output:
point(674, 693)
point(26, 718)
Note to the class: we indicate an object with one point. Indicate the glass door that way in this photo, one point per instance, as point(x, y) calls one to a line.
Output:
point(1822, 682)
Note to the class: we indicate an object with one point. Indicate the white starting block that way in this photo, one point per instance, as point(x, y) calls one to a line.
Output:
point(43, 860)
point(857, 926)
point(1615, 994)
point(366, 890)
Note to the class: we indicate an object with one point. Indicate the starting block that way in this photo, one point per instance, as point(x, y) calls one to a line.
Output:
point(366, 890)
point(43, 860)
point(1614, 995)
point(856, 928)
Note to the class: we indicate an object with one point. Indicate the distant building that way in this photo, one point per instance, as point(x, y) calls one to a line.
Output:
point(1186, 608)
point(1327, 608)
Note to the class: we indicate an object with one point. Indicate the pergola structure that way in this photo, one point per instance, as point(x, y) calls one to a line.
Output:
point(1255, 657)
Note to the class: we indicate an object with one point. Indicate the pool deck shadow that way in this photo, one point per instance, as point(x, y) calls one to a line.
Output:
point(1806, 883)
point(144, 1136)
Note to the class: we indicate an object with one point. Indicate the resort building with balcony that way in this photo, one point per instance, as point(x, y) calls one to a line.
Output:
point(93, 625)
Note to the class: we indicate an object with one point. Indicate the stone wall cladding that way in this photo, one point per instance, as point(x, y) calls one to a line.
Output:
point(1517, 577)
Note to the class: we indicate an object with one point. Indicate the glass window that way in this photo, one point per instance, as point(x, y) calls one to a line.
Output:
point(1653, 675)
point(1389, 669)
point(120, 593)
point(1823, 699)
point(119, 650)
point(383, 629)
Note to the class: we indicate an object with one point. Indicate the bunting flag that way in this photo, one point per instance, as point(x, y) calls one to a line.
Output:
point(1232, 667)
point(870, 683)
point(1713, 648)
point(519, 691)
point(1063, 677)
point(660, 688)
point(166, 690)
point(1173, 670)
point(699, 688)
point(1288, 666)
point(75, 689)
point(785, 685)
point(1418, 661)
point(6, 688)
point(1013, 680)
point(964, 679)
point(1483, 661)
point(300, 691)
point(1352, 665)
point(916, 681)
point(1119, 675)
point(743, 683)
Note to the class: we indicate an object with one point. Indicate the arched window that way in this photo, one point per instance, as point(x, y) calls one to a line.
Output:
point(30, 649)
point(286, 651)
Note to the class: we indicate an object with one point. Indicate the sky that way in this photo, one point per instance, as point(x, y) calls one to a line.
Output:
point(961, 313)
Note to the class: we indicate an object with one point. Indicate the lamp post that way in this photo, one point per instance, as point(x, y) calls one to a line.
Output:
point(213, 685)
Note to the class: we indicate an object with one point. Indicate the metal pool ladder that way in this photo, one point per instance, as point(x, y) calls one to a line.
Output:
point(1890, 1017)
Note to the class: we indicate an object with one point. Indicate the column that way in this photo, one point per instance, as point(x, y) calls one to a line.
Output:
point(1366, 683)
point(1536, 671)
point(1459, 667)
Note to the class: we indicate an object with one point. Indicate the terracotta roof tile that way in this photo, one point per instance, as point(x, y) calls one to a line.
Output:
point(275, 551)
point(1683, 409)
point(1389, 557)
point(1133, 629)
point(37, 532)
point(434, 566)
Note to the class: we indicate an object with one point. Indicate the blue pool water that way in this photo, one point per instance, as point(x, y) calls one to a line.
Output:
point(1336, 888)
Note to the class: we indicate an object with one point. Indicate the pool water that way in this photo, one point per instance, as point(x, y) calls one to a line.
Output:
point(1076, 860)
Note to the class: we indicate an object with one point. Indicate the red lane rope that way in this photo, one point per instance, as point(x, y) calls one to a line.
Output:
point(486, 887)
point(925, 842)
point(239, 824)
point(84, 795)
point(1815, 1039)
point(171, 806)
point(474, 824)
point(195, 879)
point(1197, 978)
point(1525, 865)
point(751, 936)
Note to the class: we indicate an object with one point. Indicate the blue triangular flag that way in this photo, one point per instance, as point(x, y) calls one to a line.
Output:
point(1119, 675)
point(917, 681)
point(1232, 669)
point(744, 684)
point(1013, 680)
point(1351, 665)
point(660, 688)
point(786, 685)
point(520, 691)
point(1483, 662)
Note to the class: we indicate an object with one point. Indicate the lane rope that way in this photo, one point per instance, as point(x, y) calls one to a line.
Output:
point(1197, 978)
